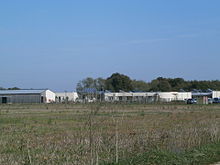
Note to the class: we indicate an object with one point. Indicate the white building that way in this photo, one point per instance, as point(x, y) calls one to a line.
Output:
point(66, 96)
point(174, 96)
point(27, 96)
point(215, 94)
point(128, 96)
point(147, 96)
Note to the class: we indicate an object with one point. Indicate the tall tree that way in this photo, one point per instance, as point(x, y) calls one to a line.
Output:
point(164, 86)
point(117, 82)
point(85, 83)
point(160, 84)
point(97, 84)
point(139, 85)
point(100, 84)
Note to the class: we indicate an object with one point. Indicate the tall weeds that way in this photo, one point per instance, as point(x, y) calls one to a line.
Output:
point(97, 133)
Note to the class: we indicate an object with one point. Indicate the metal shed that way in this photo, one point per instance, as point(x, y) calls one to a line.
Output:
point(27, 96)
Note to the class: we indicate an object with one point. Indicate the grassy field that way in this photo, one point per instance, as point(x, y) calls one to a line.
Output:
point(109, 134)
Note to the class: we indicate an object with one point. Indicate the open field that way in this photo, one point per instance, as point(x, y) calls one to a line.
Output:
point(109, 134)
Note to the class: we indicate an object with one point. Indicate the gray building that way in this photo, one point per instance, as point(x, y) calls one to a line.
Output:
point(27, 96)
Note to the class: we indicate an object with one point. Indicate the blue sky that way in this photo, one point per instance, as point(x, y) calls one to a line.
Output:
point(54, 44)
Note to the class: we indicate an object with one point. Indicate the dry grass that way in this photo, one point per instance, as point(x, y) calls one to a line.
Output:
point(93, 134)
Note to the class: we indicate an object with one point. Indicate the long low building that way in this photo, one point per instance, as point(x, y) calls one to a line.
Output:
point(147, 96)
point(27, 96)
point(47, 96)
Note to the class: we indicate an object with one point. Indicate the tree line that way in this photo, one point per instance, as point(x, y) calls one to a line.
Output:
point(119, 82)
point(13, 88)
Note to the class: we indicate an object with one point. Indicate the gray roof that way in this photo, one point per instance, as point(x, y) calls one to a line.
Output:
point(201, 93)
point(26, 91)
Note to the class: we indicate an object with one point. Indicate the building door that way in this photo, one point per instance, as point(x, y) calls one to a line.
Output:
point(42, 99)
point(4, 100)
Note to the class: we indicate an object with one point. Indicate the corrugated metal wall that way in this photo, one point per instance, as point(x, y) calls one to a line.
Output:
point(22, 98)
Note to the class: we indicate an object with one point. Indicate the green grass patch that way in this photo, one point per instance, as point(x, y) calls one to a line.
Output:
point(204, 155)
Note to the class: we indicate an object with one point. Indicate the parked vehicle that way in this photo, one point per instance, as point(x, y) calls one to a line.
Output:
point(210, 100)
point(216, 100)
point(191, 101)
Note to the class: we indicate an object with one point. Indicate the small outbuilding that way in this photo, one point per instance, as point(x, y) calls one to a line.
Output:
point(27, 96)
point(66, 97)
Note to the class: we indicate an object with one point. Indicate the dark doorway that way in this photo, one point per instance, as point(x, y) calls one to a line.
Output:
point(4, 100)
point(42, 99)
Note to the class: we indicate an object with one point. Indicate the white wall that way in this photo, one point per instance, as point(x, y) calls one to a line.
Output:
point(174, 96)
point(49, 96)
point(163, 96)
point(215, 94)
point(167, 96)
point(184, 95)
point(72, 96)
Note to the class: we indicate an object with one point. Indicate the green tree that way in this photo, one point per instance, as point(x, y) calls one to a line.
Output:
point(160, 84)
point(164, 86)
point(117, 82)
point(139, 85)
point(154, 85)
point(100, 84)
point(85, 83)
point(14, 88)
point(177, 83)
